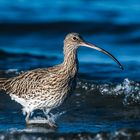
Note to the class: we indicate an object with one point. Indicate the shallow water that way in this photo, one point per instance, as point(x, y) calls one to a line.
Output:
point(106, 101)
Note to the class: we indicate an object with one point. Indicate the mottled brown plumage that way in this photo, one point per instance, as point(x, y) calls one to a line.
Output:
point(46, 89)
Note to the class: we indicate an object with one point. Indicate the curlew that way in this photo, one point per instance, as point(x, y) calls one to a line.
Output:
point(47, 88)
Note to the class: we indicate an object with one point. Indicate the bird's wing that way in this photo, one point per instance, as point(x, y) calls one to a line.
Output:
point(29, 82)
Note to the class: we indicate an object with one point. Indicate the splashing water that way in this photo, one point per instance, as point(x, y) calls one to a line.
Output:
point(50, 118)
point(129, 90)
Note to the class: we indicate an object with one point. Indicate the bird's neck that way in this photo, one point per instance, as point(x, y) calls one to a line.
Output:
point(70, 63)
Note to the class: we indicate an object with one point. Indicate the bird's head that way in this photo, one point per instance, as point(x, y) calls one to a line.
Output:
point(74, 41)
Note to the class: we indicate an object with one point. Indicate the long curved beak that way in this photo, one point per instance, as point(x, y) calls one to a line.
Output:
point(101, 50)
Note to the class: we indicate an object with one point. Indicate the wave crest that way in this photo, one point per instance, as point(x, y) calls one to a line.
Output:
point(129, 90)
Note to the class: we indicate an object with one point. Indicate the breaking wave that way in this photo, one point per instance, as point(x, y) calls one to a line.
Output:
point(128, 90)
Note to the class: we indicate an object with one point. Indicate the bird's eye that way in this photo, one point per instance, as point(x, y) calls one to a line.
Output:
point(74, 38)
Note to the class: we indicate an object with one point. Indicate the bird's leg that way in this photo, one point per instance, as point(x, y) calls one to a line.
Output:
point(50, 118)
point(46, 112)
point(27, 118)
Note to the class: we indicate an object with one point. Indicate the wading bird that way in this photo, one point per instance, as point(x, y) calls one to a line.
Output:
point(47, 88)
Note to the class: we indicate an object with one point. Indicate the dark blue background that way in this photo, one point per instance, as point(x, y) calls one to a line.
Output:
point(31, 36)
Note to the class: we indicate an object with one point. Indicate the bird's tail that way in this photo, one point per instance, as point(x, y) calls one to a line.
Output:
point(2, 82)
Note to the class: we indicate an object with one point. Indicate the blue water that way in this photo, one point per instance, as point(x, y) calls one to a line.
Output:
point(31, 36)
